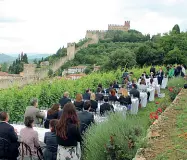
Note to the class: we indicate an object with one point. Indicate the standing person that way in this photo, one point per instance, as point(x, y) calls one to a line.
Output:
point(68, 134)
point(8, 133)
point(153, 70)
point(160, 75)
point(79, 103)
point(52, 114)
point(65, 99)
point(171, 72)
point(33, 111)
point(183, 72)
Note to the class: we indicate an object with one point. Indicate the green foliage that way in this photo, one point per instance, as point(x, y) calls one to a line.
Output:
point(175, 85)
point(121, 129)
point(4, 67)
point(122, 58)
point(176, 29)
point(50, 72)
point(15, 100)
point(60, 53)
point(17, 65)
point(81, 42)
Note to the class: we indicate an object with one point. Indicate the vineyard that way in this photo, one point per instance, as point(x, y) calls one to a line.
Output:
point(15, 100)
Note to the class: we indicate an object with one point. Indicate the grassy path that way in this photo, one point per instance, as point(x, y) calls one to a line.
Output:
point(171, 144)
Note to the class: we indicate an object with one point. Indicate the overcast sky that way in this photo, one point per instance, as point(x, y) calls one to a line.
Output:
point(43, 26)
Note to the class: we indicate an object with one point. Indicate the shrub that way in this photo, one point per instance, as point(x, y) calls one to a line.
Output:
point(125, 131)
point(174, 86)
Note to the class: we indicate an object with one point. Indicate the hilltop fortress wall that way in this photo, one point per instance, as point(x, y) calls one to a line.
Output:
point(31, 75)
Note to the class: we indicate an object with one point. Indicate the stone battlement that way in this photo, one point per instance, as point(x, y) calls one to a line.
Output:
point(96, 31)
point(70, 44)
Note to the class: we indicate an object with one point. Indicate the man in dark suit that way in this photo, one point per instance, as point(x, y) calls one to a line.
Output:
point(8, 133)
point(85, 117)
point(106, 107)
point(65, 99)
point(86, 96)
point(134, 91)
point(153, 70)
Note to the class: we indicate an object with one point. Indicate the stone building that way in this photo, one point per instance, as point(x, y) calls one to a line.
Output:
point(75, 69)
point(29, 70)
point(75, 76)
point(124, 27)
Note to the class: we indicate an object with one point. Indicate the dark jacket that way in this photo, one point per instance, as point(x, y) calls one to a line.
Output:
point(125, 100)
point(105, 107)
point(50, 140)
point(50, 117)
point(94, 105)
point(60, 114)
point(135, 93)
point(86, 96)
point(79, 105)
point(99, 96)
point(153, 70)
point(7, 132)
point(113, 98)
point(116, 86)
point(73, 135)
point(86, 119)
point(63, 101)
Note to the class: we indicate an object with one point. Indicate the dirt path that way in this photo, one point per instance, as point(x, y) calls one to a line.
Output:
point(169, 135)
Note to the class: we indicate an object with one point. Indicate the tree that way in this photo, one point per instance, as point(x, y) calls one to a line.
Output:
point(120, 58)
point(50, 72)
point(176, 29)
point(4, 67)
point(25, 59)
point(174, 57)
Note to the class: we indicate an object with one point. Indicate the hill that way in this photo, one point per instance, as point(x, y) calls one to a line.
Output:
point(6, 58)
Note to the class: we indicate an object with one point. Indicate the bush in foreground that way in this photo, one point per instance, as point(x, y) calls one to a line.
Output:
point(118, 136)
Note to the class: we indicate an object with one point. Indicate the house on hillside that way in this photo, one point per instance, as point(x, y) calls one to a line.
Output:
point(75, 76)
point(96, 68)
point(75, 69)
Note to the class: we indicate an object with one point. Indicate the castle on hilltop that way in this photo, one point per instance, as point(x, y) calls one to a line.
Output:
point(124, 27)
point(99, 34)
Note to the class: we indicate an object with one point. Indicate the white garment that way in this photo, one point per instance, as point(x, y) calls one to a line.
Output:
point(183, 70)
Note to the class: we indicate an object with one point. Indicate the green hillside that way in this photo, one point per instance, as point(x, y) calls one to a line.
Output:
point(132, 48)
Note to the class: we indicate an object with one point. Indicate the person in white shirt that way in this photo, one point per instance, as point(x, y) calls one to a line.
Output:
point(183, 73)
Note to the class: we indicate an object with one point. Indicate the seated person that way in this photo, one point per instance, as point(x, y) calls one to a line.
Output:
point(125, 99)
point(145, 75)
point(65, 99)
point(112, 96)
point(8, 133)
point(50, 152)
point(30, 136)
point(106, 107)
point(85, 117)
point(115, 85)
point(134, 91)
point(94, 103)
point(143, 82)
point(86, 96)
point(33, 111)
point(121, 89)
point(152, 83)
point(110, 88)
point(99, 95)
point(79, 103)
point(52, 114)
point(152, 75)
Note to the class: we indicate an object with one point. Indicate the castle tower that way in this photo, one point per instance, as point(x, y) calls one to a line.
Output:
point(71, 51)
point(124, 27)
point(29, 70)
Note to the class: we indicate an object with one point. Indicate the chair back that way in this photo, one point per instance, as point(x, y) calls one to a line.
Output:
point(24, 151)
point(4, 148)
point(47, 153)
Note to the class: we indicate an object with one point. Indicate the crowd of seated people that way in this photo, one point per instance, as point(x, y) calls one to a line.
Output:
point(69, 120)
